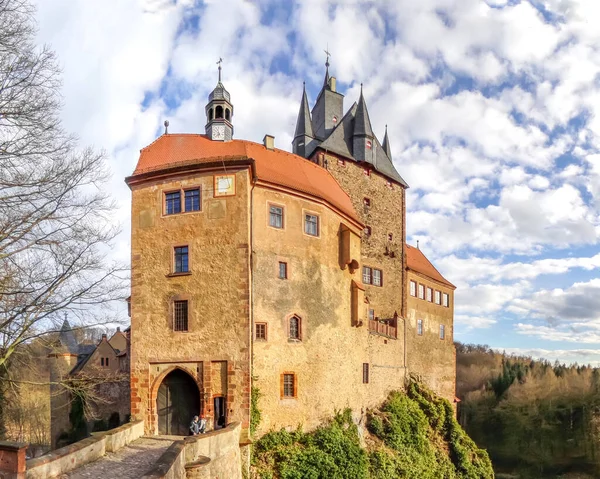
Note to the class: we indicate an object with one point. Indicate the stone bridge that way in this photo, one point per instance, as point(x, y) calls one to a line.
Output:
point(126, 453)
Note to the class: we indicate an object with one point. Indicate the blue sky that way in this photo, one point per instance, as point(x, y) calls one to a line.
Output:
point(492, 106)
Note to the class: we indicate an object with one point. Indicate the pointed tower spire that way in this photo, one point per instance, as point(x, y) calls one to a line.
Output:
point(304, 131)
point(362, 123)
point(386, 144)
point(326, 83)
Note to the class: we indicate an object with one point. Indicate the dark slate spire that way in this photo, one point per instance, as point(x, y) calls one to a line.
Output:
point(362, 123)
point(386, 144)
point(303, 123)
point(67, 338)
point(304, 138)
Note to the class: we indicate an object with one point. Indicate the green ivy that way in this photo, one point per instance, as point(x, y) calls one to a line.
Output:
point(255, 415)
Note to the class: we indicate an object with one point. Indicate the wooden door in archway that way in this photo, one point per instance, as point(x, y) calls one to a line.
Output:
point(177, 402)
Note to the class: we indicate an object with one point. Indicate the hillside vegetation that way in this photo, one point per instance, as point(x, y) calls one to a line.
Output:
point(412, 435)
point(536, 419)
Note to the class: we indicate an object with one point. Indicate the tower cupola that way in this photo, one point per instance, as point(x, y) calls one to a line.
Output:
point(219, 112)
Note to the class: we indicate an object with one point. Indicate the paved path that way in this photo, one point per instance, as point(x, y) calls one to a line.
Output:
point(129, 462)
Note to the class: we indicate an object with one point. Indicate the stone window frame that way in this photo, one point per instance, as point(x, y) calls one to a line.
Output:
point(365, 373)
point(429, 295)
point(368, 231)
point(285, 270)
point(437, 297)
point(369, 279)
point(299, 333)
point(306, 213)
point(371, 314)
point(180, 297)
point(413, 292)
point(419, 327)
point(282, 385)
point(421, 289)
point(172, 271)
point(373, 276)
point(442, 332)
point(181, 190)
point(283, 215)
point(266, 331)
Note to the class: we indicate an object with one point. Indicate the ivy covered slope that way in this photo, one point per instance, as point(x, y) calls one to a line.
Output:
point(412, 435)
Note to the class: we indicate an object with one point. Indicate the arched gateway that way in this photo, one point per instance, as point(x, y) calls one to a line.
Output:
point(177, 402)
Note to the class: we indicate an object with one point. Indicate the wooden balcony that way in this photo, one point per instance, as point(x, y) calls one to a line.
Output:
point(384, 327)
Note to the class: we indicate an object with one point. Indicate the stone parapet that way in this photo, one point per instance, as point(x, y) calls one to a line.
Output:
point(12, 460)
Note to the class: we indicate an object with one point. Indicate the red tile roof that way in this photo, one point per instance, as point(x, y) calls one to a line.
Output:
point(277, 167)
point(418, 262)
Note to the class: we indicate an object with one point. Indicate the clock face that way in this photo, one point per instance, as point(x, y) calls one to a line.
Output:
point(224, 185)
point(218, 132)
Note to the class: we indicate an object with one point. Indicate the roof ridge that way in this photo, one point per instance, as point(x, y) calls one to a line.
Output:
point(430, 264)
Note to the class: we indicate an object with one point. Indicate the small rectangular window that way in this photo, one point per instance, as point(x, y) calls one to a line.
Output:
point(289, 385)
point(429, 294)
point(445, 301)
point(276, 216)
point(282, 270)
point(377, 277)
point(173, 202)
point(442, 331)
point(180, 315)
point(372, 314)
point(367, 202)
point(106, 362)
point(192, 200)
point(413, 288)
point(366, 275)
point(261, 331)
point(367, 231)
point(365, 373)
point(311, 225)
point(421, 291)
point(390, 237)
point(420, 327)
point(102, 362)
point(181, 259)
point(438, 297)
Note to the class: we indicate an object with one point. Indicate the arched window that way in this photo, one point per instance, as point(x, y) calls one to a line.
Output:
point(219, 112)
point(210, 114)
point(295, 328)
point(227, 114)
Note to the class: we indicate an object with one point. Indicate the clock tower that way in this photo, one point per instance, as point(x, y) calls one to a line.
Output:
point(219, 112)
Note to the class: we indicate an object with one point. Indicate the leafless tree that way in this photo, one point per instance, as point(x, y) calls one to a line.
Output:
point(55, 224)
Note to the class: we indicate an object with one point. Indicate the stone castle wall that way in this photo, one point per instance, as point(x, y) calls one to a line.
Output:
point(217, 290)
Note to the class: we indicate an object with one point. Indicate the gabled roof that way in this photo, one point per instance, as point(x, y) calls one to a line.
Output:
point(416, 261)
point(275, 166)
point(340, 142)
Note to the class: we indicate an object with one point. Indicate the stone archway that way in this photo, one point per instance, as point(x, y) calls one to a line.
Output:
point(177, 402)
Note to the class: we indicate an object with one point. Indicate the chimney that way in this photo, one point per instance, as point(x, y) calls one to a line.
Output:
point(104, 336)
point(269, 142)
point(118, 329)
point(332, 83)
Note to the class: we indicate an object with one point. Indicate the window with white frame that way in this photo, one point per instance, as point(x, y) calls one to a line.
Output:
point(421, 291)
point(366, 275)
point(438, 297)
point(276, 216)
point(377, 277)
point(420, 327)
point(429, 295)
point(442, 331)
point(311, 224)
point(445, 300)
point(413, 288)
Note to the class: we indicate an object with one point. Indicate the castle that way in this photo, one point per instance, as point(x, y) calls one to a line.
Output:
point(286, 274)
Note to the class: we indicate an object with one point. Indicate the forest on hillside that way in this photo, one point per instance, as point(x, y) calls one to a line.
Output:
point(535, 418)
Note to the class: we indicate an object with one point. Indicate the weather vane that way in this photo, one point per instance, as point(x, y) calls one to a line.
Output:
point(328, 55)
point(219, 63)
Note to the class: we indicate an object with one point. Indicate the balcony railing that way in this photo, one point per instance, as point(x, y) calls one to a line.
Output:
point(384, 327)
